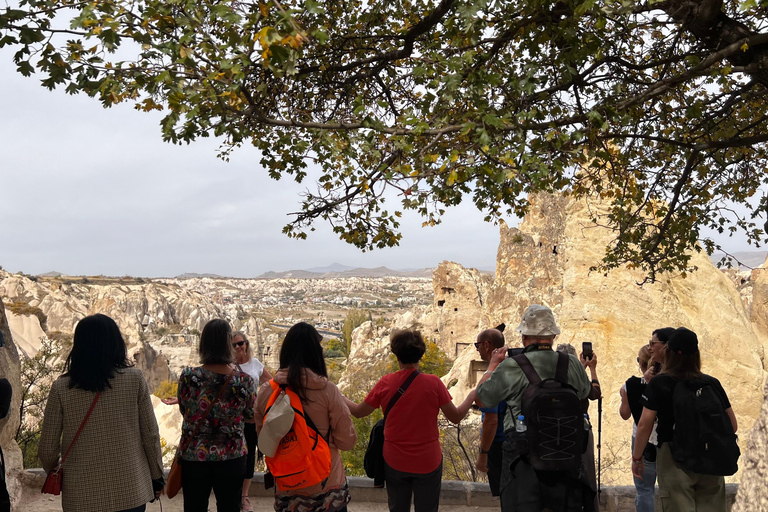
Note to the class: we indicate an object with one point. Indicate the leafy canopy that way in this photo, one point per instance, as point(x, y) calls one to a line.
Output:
point(656, 108)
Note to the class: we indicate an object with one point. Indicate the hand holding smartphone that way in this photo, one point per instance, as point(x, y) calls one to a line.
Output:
point(586, 350)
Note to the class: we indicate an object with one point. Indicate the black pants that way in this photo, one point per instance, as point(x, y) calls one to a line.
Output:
point(251, 441)
point(494, 466)
point(224, 477)
point(523, 489)
point(425, 489)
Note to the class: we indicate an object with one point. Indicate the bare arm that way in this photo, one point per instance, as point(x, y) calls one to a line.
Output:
point(265, 376)
point(644, 427)
point(624, 411)
point(490, 424)
point(732, 415)
point(360, 410)
point(456, 414)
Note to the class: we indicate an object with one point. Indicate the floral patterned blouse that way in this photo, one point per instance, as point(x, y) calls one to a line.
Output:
point(221, 435)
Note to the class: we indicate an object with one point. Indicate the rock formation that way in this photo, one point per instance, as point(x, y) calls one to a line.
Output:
point(547, 261)
point(152, 316)
point(753, 493)
point(460, 294)
point(9, 369)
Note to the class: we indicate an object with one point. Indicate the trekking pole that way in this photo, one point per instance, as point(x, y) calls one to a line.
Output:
point(599, 442)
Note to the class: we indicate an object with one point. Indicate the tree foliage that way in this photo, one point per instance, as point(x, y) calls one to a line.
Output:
point(37, 376)
point(167, 389)
point(434, 361)
point(656, 107)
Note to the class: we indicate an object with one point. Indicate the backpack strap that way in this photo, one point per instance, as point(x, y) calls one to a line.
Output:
point(400, 392)
point(525, 365)
point(561, 373)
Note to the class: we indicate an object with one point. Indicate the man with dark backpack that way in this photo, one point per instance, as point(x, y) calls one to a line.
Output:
point(696, 430)
point(544, 423)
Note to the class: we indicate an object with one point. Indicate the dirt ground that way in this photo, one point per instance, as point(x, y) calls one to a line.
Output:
point(33, 501)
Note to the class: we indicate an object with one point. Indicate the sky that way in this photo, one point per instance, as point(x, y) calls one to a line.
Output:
point(86, 191)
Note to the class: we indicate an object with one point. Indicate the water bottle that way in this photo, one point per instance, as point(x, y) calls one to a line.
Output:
point(585, 439)
point(587, 426)
point(521, 440)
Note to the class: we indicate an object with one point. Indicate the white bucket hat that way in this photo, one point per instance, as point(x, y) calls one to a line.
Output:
point(538, 321)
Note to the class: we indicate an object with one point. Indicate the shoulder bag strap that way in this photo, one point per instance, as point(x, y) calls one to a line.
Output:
point(400, 392)
point(525, 365)
point(85, 420)
point(202, 420)
point(561, 374)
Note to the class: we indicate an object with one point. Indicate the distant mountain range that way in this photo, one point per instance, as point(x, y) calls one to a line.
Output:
point(337, 270)
point(193, 275)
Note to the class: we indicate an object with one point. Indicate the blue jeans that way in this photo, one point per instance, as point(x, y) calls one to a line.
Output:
point(645, 487)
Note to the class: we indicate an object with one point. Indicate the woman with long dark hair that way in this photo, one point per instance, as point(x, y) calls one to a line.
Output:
point(215, 400)
point(681, 489)
point(116, 462)
point(303, 370)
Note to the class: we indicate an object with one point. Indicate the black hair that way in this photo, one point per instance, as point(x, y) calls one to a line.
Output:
point(407, 345)
point(663, 334)
point(302, 349)
point(682, 366)
point(98, 352)
point(216, 343)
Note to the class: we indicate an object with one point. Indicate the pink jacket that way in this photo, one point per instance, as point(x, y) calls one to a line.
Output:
point(327, 409)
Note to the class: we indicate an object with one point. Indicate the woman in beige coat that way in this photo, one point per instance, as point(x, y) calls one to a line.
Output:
point(302, 368)
point(116, 462)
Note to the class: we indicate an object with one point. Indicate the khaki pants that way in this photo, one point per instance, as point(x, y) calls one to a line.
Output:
point(681, 490)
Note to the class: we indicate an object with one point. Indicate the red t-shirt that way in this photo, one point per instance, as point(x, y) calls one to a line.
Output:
point(411, 437)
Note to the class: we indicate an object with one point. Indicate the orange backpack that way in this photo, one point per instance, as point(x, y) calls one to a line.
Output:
point(303, 457)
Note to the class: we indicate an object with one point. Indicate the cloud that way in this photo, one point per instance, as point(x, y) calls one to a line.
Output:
point(88, 190)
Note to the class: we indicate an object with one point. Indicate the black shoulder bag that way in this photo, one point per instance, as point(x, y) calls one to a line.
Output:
point(374, 453)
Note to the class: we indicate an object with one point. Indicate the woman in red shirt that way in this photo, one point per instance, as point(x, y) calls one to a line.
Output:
point(412, 453)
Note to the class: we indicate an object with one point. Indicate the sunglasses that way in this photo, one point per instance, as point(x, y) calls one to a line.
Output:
point(238, 344)
point(478, 343)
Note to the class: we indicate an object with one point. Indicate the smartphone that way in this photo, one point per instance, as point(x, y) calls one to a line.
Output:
point(586, 350)
point(512, 352)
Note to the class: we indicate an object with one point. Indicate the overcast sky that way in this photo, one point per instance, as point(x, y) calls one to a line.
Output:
point(86, 190)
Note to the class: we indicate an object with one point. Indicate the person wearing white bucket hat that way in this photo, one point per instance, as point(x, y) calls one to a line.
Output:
point(523, 488)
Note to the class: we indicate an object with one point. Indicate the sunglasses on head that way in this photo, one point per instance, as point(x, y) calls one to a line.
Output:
point(238, 344)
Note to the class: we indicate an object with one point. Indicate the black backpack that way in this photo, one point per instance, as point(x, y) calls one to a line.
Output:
point(703, 441)
point(554, 417)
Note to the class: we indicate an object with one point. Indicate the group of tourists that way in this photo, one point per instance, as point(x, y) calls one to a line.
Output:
point(684, 432)
point(536, 443)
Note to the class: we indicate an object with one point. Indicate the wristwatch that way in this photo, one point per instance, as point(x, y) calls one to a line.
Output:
point(483, 452)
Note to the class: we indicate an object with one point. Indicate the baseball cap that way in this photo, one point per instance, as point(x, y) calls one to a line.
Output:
point(277, 423)
point(683, 341)
point(538, 321)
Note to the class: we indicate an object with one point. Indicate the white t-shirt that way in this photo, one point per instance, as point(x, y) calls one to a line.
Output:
point(254, 368)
